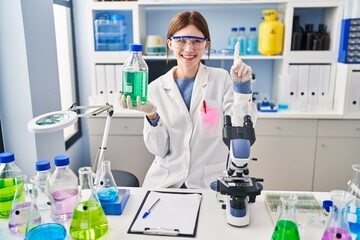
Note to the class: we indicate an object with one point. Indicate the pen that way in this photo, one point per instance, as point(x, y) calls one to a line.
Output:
point(149, 211)
point(204, 106)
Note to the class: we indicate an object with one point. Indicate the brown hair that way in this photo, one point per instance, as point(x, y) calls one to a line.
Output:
point(184, 19)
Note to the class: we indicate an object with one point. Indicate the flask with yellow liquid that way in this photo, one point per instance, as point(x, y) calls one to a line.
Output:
point(271, 33)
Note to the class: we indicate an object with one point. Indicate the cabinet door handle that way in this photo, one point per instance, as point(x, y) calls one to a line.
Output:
point(279, 128)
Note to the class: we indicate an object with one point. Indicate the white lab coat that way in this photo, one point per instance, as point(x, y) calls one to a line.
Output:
point(188, 148)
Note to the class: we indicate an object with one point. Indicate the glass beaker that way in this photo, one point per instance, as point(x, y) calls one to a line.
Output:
point(354, 208)
point(89, 221)
point(107, 191)
point(286, 226)
point(20, 209)
point(47, 228)
point(338, 227)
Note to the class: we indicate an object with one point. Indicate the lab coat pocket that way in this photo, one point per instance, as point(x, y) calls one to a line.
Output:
point(156, 175)
point(213, 172)
point(209, 127)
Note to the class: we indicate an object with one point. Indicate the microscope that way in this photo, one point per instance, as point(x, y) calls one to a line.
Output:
point(237, 188)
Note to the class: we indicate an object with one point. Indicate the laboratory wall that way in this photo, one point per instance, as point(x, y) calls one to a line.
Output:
point(29, 84)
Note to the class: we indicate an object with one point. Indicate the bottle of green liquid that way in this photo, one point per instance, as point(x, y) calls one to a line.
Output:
point(286, 227)
point(135, 75)
point(88, 221)
point(8, 186)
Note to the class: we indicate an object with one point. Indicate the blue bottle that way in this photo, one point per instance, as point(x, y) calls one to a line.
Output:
point(252, 42)
point(242, 38)
point(232, 39)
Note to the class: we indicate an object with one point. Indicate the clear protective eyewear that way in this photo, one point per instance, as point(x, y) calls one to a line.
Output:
point(180, 42)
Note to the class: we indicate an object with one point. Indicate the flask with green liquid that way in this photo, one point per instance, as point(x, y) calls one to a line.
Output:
point(286, 227)
point(88, 221)
point(8, 186)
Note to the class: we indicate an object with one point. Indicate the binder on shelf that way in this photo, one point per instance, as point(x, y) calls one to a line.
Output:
point(354, 98)
point(324, 85)
point(100, 79)
point(118, 77)
point(175, 214)
point(110, 78)
point(313, 89)
point(293, 84)
point(303, 84)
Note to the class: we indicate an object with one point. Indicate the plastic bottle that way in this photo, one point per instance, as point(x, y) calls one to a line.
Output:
point(135, 75)
point(242, 39)
point(232, 39)
point(63, 189)
point(41, 178)
point(8, 172)
point(89, 221)
point(252, 42)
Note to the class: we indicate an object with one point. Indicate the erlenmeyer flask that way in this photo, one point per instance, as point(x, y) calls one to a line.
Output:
point(354, 209)
point(20, 209)
point(286, 227)
point(89, 221)
point(107, 190)
point(338, 227)
point(47, 228)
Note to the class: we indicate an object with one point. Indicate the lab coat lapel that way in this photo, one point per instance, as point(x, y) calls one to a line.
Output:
point(173, 90)
point(198, 93)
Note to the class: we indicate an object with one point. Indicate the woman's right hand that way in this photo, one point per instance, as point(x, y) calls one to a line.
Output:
point(149, 109)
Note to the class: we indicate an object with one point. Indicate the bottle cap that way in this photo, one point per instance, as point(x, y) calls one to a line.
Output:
point(234, 29)
point(135, 47)
point(43, 165)
point(253, 29)
point(241, 28)
point(61, 160)
point(7, 157)
point(117, 17)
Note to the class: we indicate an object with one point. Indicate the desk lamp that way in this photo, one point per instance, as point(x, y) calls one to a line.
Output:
point(58, 120)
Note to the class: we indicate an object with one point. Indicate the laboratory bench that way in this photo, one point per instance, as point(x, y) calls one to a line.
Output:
point(300, 152)
point(211, 223)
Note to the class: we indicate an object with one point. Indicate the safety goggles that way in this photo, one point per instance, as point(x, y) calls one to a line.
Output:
point(180, 42)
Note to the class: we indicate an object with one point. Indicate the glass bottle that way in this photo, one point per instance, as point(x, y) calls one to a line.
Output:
point(310, 35)
point(297, 41)
point(252, 42)
point(135, 75)
point(338, 227)
point(107, 191)
point(63, 189)
point(286, 227)
point(354, 209)
point(40, 225)
point(8, 172)
point(242, 39)
point(20, 209)
point(42, 176)
point(232, 39)
point(89, 221)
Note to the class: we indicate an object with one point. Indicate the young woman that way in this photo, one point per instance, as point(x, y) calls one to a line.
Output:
point(186, 107)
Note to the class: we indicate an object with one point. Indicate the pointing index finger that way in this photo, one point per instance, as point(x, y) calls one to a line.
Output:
point(236, 52)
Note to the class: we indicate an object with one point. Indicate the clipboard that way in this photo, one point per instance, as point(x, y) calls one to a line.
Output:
point(176, 214)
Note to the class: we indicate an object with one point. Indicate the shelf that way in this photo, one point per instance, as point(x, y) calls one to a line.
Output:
point(220, 57)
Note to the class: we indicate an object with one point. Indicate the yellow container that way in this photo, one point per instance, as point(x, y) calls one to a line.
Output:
point(271, 33)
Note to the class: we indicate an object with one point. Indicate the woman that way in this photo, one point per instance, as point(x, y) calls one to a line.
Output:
point(186, 107)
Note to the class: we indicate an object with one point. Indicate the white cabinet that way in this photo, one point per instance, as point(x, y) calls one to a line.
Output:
point(285, 150)
point(337, 148)
point(125, 145)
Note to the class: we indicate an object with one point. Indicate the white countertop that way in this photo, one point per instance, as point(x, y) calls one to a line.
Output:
point(211, 225)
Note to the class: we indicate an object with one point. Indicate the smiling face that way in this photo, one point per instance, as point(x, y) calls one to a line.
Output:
point(188, 56)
